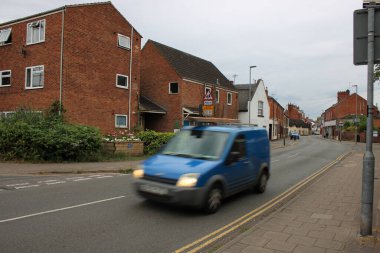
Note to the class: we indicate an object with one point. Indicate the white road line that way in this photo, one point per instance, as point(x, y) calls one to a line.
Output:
point(70, 178)
point(81, 179)
point(27, 186)
point(11, 185)
point(293, 155)
point(102, 177)
point(275, 161)
point(58, 182)
point(60, 209)
point(47, 181)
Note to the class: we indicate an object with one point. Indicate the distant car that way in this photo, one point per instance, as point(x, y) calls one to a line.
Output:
point(294, 136)
point(201, 166)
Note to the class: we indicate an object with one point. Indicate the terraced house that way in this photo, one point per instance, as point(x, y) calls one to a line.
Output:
point(85, 56)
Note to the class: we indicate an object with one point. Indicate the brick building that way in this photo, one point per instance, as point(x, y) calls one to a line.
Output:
point(278, 121)
point(347, 106)
point(177, 82)
point(85, 56)
point(297, 120)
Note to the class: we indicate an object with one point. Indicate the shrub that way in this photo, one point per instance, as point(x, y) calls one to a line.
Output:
point(153, 141)
point(28, 135)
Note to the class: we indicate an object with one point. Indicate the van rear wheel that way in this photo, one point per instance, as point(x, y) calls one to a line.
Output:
point(213, 200)
point(262, 183)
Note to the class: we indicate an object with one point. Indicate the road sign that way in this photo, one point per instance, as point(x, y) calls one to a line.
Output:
point(361, 36)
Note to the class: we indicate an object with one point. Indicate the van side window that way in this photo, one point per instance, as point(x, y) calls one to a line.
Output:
point(239, 146)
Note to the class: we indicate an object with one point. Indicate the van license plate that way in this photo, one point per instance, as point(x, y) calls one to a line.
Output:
point(153, 189)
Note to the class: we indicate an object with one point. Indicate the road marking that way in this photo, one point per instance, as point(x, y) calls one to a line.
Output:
point(70, 178)
point(275, 161)
point(58, 182)
point(61, 209)
point(46, 181)
point(102, 176)
point(27, 186)
point(296, 154)
point(82, 179)
point(11, 185)
point(214, 236)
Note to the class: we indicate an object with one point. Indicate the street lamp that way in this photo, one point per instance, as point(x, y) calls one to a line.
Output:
point(356, 113)
point(249, 96)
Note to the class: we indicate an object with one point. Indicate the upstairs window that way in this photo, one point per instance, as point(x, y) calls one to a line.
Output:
point(5, 36)
point(123, 41)
point(229, 98)
point(5, 78)
point(34, 77)
point(35, 32)
point(217, 96)
point(173, 88)
point(122, 81)
point(260, 111)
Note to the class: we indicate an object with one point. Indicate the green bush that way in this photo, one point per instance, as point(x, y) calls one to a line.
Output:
point(153, 141)
point(28, 135)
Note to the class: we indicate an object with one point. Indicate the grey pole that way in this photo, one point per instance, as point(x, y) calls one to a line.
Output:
point(369, 159)
point(356, 114)
point(249, 96)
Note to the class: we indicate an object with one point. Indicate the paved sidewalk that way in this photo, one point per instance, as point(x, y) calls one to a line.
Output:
point(325, 217)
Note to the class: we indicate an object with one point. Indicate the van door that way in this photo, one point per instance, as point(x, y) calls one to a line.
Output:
point(237, 166)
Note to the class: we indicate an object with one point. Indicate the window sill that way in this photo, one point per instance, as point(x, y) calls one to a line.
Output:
point(33, 88)
point(261, 116)
point(125, 48)
point(173, 93)
point(121, 127)
point(34, 43)
point(8, 44)
point(122, 87)
point(1, 86)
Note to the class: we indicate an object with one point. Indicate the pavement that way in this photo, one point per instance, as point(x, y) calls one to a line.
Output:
point(323, 217)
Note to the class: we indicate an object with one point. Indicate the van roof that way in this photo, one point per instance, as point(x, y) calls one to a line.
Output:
point(226, 128)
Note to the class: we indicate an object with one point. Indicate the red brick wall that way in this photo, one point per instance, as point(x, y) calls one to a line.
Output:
point(294, 112)
point(156, 74)
point(91, 61)
point(46, 53)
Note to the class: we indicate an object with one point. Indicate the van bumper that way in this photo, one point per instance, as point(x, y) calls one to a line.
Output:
point(169, 194)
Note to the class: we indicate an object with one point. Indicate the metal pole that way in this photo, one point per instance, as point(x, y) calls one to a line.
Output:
point(369, 159)
point(356, 115)
point(249, 96)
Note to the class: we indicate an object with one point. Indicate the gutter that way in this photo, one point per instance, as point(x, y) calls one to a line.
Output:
point(61, 62)
point(130, 82)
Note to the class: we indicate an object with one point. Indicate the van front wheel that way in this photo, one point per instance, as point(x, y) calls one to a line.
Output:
point(213, 200)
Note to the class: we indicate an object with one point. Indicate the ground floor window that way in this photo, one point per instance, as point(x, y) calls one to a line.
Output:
point(121, 121)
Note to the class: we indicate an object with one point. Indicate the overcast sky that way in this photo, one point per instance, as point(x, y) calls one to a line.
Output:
point(303, 49)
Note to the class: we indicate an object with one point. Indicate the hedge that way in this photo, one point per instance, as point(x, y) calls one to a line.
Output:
point(153, 141)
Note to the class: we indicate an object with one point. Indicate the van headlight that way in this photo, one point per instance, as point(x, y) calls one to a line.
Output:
point(139, 172)
point(188, 180)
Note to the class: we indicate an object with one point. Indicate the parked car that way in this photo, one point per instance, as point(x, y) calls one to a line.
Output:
point(203, 165)
point(294, 136)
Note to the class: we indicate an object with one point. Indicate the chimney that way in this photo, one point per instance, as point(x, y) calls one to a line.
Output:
point(343, 95)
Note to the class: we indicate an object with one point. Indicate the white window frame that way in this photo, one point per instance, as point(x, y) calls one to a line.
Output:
point(217, 94)
point(229, 94)
point(2, 76)
point(119, 36)
point(206, 89)
point(121, 86)
point(260, 109)
point(170, 89)
point(2, 31)
point(126, 121)
point(41, 35)
point(31, 77)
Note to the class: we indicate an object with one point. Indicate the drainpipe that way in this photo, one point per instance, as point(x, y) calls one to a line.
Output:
point(130, 83)
point(61, 63)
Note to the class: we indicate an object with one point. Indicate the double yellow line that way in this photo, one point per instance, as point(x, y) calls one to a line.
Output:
point(214, 236)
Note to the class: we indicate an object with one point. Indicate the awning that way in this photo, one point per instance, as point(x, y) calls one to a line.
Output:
point(147, 106)
point(191, 110)
point(215, 120)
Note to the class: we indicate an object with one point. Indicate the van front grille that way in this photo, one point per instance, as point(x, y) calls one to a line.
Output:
point(160, 179)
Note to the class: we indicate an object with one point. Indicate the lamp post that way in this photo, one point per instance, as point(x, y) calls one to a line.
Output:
point(356, 113)
point(249, 95)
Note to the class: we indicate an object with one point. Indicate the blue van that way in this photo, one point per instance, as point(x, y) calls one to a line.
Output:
point(200, 166)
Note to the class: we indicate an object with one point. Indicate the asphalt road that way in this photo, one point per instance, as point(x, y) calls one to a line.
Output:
point(101, 213)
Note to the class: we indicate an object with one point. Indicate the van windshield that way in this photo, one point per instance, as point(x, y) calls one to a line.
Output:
point(206, 145)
